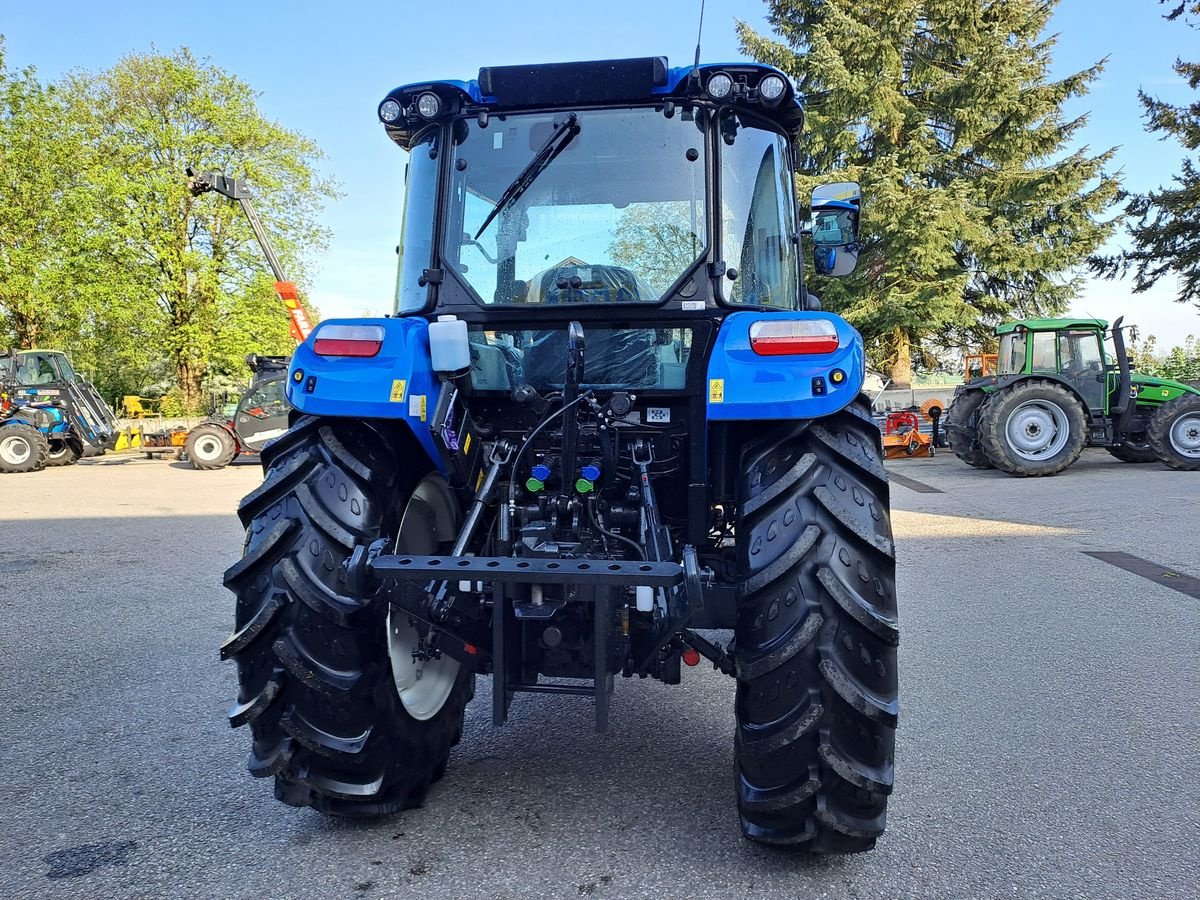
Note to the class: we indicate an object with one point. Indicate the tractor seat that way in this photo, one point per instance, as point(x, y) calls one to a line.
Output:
point(588, 284)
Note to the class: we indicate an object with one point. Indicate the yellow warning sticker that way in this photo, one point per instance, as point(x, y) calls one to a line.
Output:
point(467, 445)
point(399, 386)
point(716, 390)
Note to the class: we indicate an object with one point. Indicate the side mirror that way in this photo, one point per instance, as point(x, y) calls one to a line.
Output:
point(835, 212)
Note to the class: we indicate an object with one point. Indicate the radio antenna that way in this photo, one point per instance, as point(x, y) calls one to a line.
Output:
point(699, 33)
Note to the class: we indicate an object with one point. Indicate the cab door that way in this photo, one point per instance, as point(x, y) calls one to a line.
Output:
point(1082, 359)
point(262, 414)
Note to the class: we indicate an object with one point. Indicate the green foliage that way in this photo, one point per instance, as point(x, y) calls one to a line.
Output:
point(1166, 227)
point(650, 239)
point(105, 253)
point(1180, 363)
point(944, 111)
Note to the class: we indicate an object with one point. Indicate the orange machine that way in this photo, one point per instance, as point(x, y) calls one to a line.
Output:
point(979, 365)
point(902, 436)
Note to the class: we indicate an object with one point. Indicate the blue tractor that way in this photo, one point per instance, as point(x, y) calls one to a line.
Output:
point(49, 415)
point(604, 418)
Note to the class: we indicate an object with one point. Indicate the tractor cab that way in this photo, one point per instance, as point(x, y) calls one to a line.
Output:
point(262, 411)
point(1068, 350)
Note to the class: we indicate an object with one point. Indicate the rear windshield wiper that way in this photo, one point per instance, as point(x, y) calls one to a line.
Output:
point(556, 144)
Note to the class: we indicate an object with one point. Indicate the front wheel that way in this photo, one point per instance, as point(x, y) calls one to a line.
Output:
point(817, 696)
point(1174, 432)
point(348, 710)
point(209, 447)
point(64, 452)
point(22, 449)
point(1032, 428)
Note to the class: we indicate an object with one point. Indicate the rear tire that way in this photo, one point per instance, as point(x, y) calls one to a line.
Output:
point(962, 429)
point(816, 637)
point(22, 449)
point(1032, 428)
point(209, 447)
point(63, 452)
point(317, 686)
point(1174, 433)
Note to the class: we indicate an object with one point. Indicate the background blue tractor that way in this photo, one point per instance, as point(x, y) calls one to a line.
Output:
point(48, 413)
point(604, 416)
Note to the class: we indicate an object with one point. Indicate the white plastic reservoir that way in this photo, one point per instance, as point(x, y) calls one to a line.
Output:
point(448, 346)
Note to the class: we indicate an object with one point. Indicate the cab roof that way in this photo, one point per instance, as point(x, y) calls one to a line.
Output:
point(1051, 325)
point(500, 89)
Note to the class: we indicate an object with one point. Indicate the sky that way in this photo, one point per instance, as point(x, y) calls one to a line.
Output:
point(322, 69)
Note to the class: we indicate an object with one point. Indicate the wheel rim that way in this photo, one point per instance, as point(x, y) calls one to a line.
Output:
point(1185, 436)
point(423, 684)
point(1037, 429)
point(207, 447)
point(15, 450)
point(58, 449)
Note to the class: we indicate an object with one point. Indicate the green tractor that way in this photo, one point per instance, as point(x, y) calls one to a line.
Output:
point(1054, 393)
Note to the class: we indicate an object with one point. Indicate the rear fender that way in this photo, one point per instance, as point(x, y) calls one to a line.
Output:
point(743, 385)
point(397, 383)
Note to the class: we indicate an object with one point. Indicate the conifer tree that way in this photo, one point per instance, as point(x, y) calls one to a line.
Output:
point(1166, 230)
point(975, 210)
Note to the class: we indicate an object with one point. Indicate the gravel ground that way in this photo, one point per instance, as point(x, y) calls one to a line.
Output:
point(1048, 738)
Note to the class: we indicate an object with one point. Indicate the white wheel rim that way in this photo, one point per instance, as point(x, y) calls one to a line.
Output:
point(1037, 429)
point(15, 449)
point(207, 447)
point(423, 684)
point(58, 449)
point(1185, 436)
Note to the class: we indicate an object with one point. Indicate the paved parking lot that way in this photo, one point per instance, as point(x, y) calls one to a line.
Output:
point(1048, 743)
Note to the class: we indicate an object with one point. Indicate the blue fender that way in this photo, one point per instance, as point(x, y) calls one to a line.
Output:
point(743, 385)
point(396, 383)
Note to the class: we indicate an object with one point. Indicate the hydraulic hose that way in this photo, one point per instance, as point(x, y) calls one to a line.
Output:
point(591, 510)
point(511, 510)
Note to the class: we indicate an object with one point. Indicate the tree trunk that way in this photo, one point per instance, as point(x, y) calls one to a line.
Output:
point(190, 375)
point(25, 332)
point(901, 359)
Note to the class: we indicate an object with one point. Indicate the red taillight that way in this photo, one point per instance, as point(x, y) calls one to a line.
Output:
point(691, 657)
point(790, 337)
point(348, 340)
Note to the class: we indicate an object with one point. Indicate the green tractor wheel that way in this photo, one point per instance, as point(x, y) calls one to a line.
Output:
point(1033, 428)
point(1174, 432)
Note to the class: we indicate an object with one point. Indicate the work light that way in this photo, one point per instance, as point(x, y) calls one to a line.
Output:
point(771, 88)
point(428, 105)
point(720, 86)
point(389, 110)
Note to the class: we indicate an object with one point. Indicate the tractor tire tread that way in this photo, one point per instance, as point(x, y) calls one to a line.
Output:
point(967, 446)
point(39, 446)
point(817, 699)
point(315, 681)
point(1158, 432)
point(993, 417)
